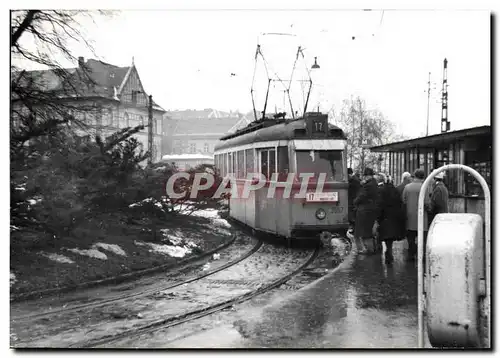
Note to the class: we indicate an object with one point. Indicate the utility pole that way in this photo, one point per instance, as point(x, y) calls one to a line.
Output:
point(428, 103)
point(445, 125)
point(150, 129)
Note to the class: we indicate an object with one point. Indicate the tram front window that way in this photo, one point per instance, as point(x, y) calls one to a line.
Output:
point(321, 161)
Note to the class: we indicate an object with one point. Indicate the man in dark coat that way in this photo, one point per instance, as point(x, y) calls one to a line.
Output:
point(405, 180)
point(354, 186)
point(391, 218)
point(410, 198)
point(439, 198)
point(381, 179)
point(366, 212)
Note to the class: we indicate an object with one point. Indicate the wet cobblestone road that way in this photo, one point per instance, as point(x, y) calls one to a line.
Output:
point(364, 304)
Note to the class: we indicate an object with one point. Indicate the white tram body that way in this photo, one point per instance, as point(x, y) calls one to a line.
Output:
point(288, 147)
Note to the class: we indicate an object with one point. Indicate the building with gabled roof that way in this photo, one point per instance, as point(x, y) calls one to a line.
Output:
point(116, 94)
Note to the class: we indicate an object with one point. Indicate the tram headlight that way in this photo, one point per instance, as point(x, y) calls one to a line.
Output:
point(320, 214)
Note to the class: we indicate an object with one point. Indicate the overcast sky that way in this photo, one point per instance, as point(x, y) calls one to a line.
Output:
point(185, 58)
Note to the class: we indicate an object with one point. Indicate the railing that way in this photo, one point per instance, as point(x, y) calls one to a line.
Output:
point(487, 216)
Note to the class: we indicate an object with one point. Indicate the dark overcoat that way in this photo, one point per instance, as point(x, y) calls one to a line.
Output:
point(354, 187)
point(400, 188)
point(392, 216)
point(439, 201)
point(366, 204)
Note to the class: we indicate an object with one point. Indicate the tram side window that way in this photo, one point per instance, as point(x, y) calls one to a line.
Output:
point(249, 161)
point(272, 163)
point(268, 162)
point(264, 163)
point(224, 165)
point(241, 164)
point(229, 163)
point(235, 165)
point(283, 163)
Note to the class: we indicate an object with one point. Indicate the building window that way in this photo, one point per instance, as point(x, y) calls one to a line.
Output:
point(192, 148)
point(158, 126)
point(206, 148)
point(134, 97)
point(109, 121)
point(125, 120)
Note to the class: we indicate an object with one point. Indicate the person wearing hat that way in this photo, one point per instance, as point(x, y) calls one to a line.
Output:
point(439, 197)
point(411, 194)
point(366, 204)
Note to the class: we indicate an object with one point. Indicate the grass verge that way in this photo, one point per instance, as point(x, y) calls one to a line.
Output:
point(36, 272)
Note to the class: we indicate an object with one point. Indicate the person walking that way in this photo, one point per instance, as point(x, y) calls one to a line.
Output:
point(352, 192)
point(381, 181)
point(405, 180)
point(366, 212)
point(391, 218)
point(410, 197)
point(439, 198)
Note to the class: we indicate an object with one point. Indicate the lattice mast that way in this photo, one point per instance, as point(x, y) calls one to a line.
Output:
point(445, 124)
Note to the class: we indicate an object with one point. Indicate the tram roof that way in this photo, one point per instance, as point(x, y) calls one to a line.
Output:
point(433, 141)
point(272, 132)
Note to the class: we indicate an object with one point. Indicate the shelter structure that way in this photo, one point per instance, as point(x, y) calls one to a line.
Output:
point(471, 147)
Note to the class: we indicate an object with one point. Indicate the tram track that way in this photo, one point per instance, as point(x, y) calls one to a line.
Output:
point(92, 305)
point(168, 322)
point(216, 290)
point(56, 313)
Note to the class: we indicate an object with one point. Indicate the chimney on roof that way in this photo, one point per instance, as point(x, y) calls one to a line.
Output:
point(81, 61)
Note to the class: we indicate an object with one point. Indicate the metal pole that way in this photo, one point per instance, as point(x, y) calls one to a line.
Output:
point(150, 130)
point(487, 220)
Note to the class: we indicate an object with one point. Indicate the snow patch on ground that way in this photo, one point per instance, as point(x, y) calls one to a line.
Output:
point(207, 213)
point(177, 239)
point(213, 215)
point(147, 200)
point(94, 253)
point(110, 247)
point(58, 258)
point(173, 251)
point(222, 223)
point(13, 279)
point(222, 231)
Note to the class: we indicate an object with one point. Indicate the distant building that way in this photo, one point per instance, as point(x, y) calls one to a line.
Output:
point(197, 131)
point(117, 94)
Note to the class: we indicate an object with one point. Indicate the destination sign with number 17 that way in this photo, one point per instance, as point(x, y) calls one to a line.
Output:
point(328, 196)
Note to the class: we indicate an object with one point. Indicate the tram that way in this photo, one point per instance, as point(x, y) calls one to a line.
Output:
point(286, 152)
point(295, 164)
